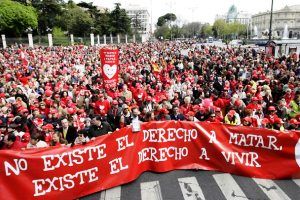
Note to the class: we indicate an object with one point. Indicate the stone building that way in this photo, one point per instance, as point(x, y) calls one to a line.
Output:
point(285, 23)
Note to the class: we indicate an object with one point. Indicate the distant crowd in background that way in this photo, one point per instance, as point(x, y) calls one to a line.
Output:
point(54, 96)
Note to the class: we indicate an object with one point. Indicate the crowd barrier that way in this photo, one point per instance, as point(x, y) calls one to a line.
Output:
point(118, 158)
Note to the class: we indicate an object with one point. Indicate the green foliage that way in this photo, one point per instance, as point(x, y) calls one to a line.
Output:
point(48, 10)
point(229, 30)
point(103, 23)
point(219, 27)
point(162, 20)
point(16, 18)
point(76, 21)
point(162, 31)
point(93, 11)
point(176, 31)
point(191, 29)
point(120, 22)
point(206, 30)
point(57, 32)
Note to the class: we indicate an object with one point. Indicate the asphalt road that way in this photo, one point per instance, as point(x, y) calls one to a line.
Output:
point(198, 185)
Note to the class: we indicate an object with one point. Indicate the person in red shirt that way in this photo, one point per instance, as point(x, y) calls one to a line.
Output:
point(101, 105)
point(253, 105)
point(187, 106)
point(247, 121)
point(12, 143)
point(272, 114)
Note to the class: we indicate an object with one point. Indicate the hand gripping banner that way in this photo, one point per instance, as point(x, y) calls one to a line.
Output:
point(109, 62)
point(121, 157)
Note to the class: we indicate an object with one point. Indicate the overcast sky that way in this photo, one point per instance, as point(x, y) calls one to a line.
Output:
point(197, 10)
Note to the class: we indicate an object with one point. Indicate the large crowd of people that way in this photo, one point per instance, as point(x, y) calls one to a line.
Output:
point(55, 96)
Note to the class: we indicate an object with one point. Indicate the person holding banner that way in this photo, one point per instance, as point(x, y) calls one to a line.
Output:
point(12, 142)
point(57, 140)
point(36, 142)
point(68, 132)
point(98, 128)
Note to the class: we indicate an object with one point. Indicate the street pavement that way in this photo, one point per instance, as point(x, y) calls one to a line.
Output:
point(200, 185)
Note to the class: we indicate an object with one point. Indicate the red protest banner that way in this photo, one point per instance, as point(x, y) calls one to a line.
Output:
point(119, 158)
point(109, 63)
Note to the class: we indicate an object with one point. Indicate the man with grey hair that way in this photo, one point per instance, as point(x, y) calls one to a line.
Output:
point(68, 132)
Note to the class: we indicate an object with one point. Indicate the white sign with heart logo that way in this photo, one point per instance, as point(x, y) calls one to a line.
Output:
point(110, 71)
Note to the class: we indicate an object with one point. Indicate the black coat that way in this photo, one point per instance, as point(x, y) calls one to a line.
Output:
point(96, 131)
point(71, 134)
point(219, 87)
point(178, 117)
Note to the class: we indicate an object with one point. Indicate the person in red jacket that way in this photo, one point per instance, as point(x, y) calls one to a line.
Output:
point(253, 105)
point(12, 143)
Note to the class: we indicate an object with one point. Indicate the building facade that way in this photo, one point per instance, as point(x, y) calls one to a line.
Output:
point(233, 15)
point(140, 19)
point(285, 23)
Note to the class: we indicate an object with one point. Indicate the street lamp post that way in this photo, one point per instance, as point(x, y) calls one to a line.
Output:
point(271, 18)
point(30, 39)
point(50, 40)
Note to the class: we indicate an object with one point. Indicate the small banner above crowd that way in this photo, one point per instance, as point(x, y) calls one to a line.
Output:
point(121, 157)
point(110, 71)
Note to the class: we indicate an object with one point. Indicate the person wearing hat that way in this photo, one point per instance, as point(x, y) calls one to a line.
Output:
point(293, 124)
point(278, 124)
point(163, 115)
point(232, 118)
point(43, 109)
point(239, 106)
point(272, 114)
point(253, 104)
point(190, 116)
point(247, 121)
